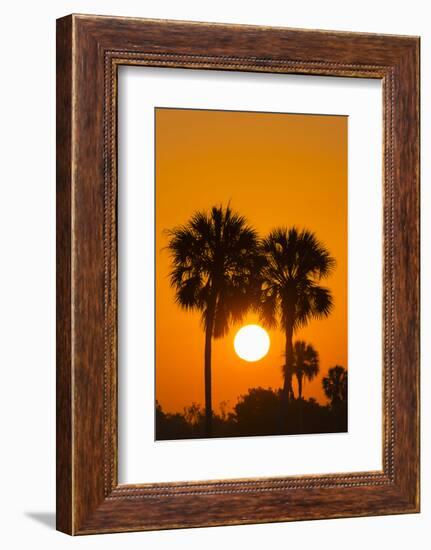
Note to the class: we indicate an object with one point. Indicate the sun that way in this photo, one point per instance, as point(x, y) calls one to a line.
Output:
point(251, 343)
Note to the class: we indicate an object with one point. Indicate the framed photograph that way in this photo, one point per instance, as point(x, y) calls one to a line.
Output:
point(237, 274)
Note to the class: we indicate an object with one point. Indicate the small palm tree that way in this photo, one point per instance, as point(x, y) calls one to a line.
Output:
point(335, 385)
point(295, 263)
point(305, 363)
point(215, 263)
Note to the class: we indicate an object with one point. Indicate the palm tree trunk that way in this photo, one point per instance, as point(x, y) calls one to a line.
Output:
point(287, 387)
point(300, 386)
point(208, 381)
point(301, 404)
point(287, 392)
point(208, 378)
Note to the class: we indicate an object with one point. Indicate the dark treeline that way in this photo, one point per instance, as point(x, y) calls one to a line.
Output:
point(262, 412)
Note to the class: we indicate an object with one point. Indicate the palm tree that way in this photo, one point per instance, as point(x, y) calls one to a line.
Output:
point(305, 363)
point(335, 385)
point(215, 262)
point(295, 262)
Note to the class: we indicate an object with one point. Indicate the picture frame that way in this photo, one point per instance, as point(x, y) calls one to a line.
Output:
point(89, 51)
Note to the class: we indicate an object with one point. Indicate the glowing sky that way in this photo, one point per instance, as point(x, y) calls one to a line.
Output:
point(276, 170)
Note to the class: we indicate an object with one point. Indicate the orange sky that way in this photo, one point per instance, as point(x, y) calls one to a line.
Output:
point(275, 169)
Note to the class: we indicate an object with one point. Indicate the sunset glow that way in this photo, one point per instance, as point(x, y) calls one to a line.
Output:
point(276, 170)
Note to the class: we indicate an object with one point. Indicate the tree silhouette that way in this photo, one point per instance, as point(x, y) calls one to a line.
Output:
point(215, 258)
point(295, 262)
point(193, 414)
point(257, 412)
point(335, 385)
point(305, 363)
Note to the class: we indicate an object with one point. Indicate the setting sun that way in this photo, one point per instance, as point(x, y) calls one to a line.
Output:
point(251, 343)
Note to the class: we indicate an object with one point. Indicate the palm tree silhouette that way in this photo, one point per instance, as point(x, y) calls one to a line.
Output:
point(335, 385)
point(295, 262)
point(305, 363)
point(215, 259)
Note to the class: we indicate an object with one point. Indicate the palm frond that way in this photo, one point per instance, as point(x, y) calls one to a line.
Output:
point(215, 257)
point(305, 360)
point(335, 384)
point(295, 262)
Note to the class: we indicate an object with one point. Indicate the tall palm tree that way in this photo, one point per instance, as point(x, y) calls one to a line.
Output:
point(215, 262)
point(335, 385)
point(305, 363)
point(295, 263)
